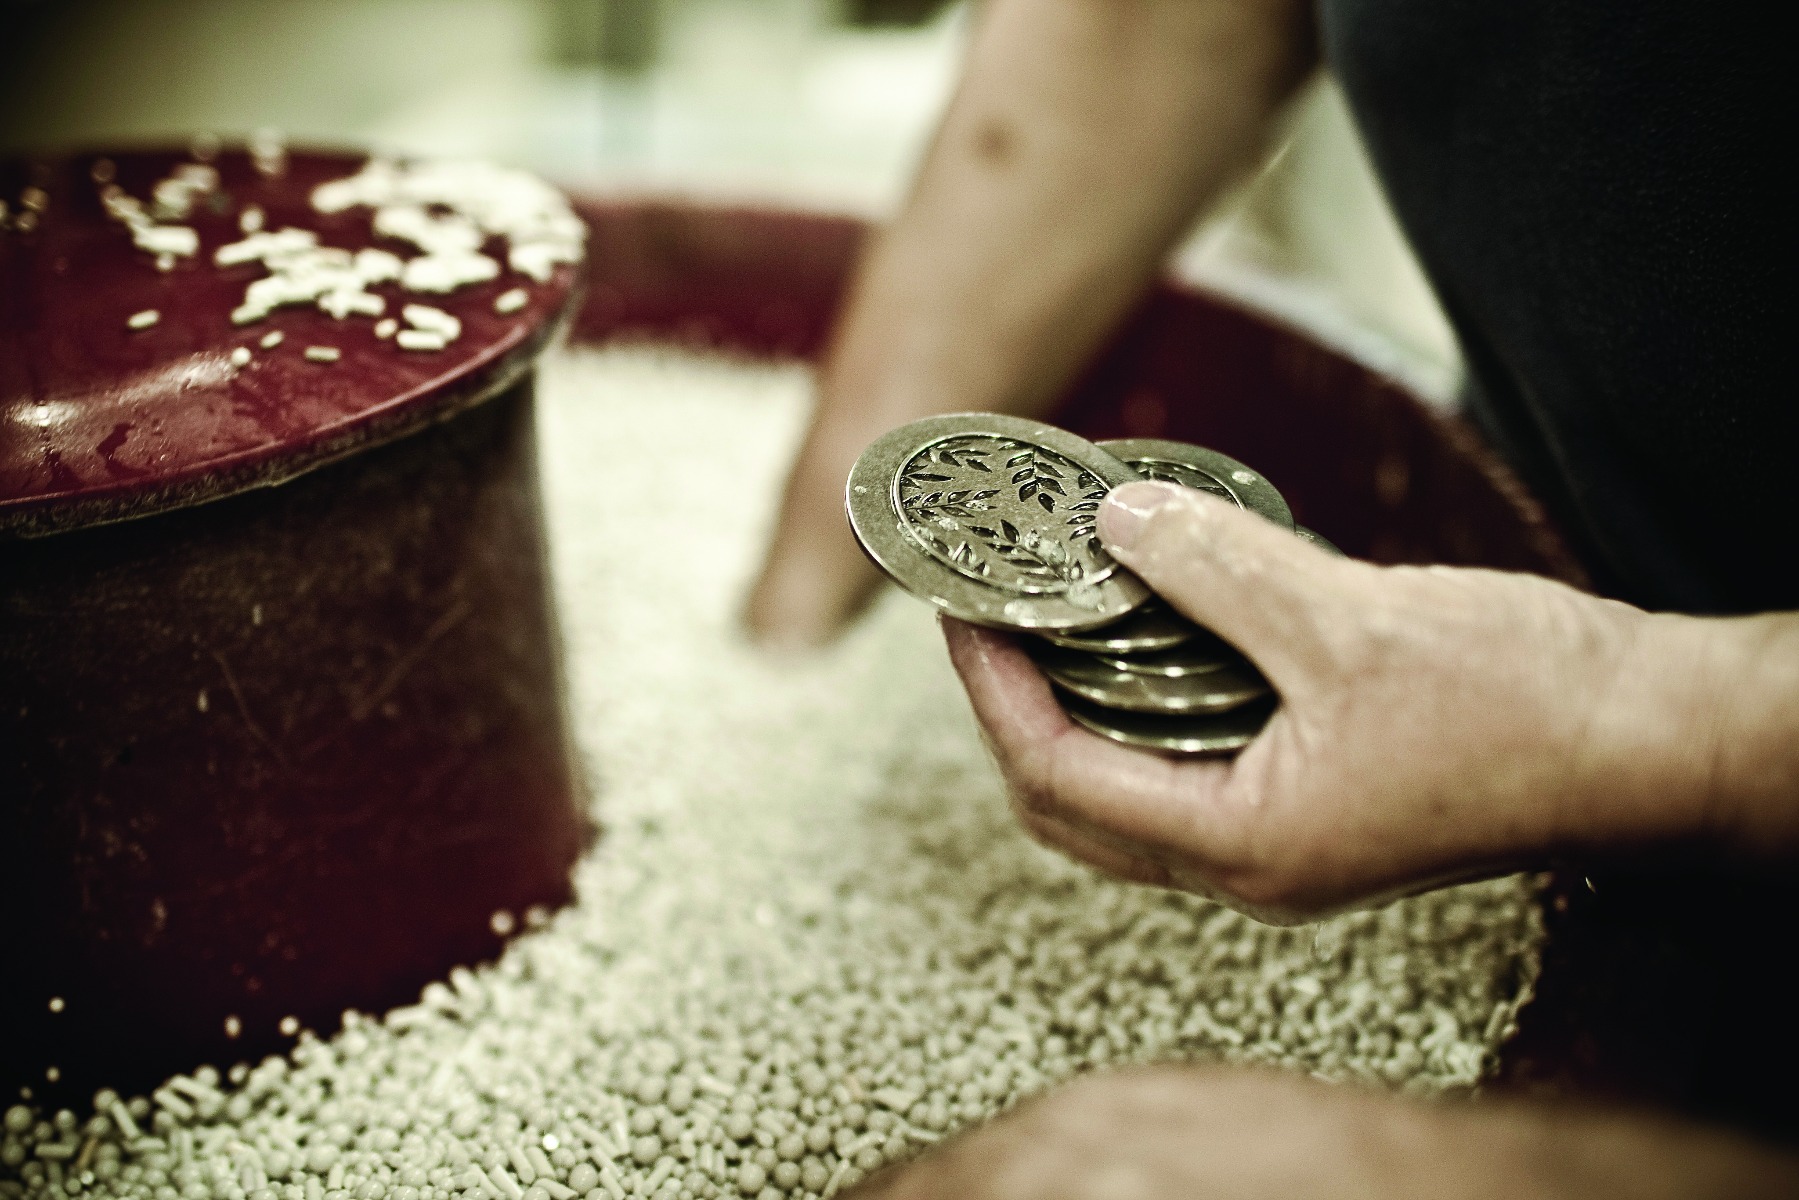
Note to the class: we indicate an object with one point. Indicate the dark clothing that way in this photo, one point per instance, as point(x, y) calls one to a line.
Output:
point(1592, 191)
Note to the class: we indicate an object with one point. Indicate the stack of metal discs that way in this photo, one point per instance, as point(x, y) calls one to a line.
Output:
point(992, 519)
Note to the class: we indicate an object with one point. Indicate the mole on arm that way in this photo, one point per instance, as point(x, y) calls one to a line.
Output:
point(995, 141)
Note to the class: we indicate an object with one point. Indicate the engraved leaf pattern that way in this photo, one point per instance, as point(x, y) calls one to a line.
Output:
point(1009, 513)
point(1182, 474)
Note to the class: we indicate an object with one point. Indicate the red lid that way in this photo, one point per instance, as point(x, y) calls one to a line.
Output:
point(136, 366)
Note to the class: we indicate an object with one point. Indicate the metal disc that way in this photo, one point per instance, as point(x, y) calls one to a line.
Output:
point(1209, 471)
point(1228, 687)
point(1203, 653)
point(1153, 626)
point(1317, 539)
point(991, 519)
point(1223, 733)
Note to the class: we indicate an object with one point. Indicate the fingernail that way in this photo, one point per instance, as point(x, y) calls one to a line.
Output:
point(1128, 509)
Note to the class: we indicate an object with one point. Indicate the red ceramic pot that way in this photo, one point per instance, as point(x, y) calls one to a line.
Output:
point(281, 714)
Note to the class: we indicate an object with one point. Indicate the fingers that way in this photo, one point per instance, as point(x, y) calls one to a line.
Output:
point(808, 590)
point(814, 578)
point(1265, 591)
point(1121, 810)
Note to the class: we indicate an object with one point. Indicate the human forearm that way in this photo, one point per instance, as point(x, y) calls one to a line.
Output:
point(1083, 139)
point(1223, 1135)
point(1758, 752)
point(1702, 736)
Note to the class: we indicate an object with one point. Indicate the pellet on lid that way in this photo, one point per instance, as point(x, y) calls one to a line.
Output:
point(144, 319)
point(433, 320)
point(271, 339)
point(268, 151)
point(511, 300)
point(323, 354)
point(420, 339)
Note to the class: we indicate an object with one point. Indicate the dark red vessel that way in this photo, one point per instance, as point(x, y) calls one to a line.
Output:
point(281, 714)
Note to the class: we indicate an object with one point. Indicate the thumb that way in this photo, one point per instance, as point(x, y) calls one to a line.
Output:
point(1262, 589)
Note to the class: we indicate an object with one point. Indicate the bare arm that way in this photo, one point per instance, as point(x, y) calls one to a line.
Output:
point(1435, 723)
point(1203, 1134)
point(1083, 139)
point(1736, 724)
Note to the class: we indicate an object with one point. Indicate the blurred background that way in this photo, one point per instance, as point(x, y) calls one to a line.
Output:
point(816, 104)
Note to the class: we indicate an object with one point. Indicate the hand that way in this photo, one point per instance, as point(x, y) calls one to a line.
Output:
point(1186, 1134)
point(1435, 723)
point(814, 578)
point(1080, 144)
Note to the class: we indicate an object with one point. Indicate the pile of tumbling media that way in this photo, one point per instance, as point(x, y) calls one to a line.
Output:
point(812, 940)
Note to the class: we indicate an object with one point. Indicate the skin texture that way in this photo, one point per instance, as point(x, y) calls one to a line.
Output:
point(1084, 137)
point(1245, 1135)
point(1435, 723)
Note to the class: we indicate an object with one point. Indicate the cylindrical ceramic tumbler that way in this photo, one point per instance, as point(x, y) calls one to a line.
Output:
point(281, 712)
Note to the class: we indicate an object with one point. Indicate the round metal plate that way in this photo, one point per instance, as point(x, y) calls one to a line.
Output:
point(1223, 733)
point(1317, 539)
point(991, 519)
point(1203, 653)
point(1230, 686)
point(1209, 471)
point(1153, 626)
